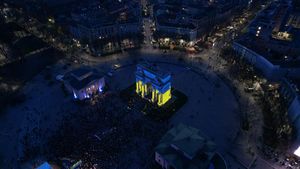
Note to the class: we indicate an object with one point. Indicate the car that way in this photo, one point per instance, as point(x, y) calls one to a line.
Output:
point(116, 66)
point(249, 89)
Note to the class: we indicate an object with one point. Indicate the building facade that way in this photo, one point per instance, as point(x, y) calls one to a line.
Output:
point(106, 20)
point(93, 32)
point(83, 83)
point(272, 68)
point(181, 23)
point(191, 20)
point(272, 42)
point(153, 84)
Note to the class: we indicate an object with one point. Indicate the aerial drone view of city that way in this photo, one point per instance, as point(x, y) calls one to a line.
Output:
point(150, 84)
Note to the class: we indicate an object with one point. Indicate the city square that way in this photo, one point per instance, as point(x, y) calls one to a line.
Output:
point(149, 84)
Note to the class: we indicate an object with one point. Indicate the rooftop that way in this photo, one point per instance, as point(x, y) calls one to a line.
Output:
point(106, 13)
point(279, 16)
point(276, 58)
point(81, 77)
point(161, 73)
point(180, 16)
point(185, 147)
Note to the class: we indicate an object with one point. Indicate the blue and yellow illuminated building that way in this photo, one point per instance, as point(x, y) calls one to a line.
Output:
point(153, 84)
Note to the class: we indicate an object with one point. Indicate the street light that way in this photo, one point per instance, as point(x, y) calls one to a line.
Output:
point(51, 20)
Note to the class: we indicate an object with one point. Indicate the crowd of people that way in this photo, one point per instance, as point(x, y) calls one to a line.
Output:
point(282, 159)
point(84, 135)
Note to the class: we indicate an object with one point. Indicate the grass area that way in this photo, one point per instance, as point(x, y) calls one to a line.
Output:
point(150, 109)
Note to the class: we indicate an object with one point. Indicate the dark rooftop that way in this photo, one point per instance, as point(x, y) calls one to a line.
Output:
point(185, 147)
point(276, 58)
point(81, 77)
point(181, 16)
point(106, 13)
point(154, 69)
